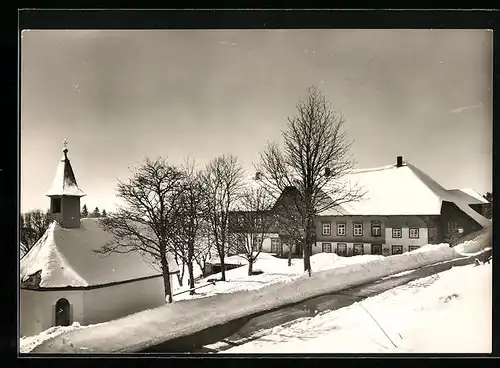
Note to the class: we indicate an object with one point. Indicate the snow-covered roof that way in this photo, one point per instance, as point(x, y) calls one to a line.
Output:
point(469, 195)
point(64, 182)
point(405, 190)
point(389, 190)
point(65, 257)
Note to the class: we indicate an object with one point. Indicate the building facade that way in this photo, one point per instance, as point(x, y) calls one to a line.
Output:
point(403, 209)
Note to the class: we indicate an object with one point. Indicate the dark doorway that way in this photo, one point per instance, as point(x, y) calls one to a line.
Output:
point(62, 312)
point(377, 249)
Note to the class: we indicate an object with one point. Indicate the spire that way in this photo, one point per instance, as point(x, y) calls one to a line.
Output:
point(64, 183)
point(65, 149)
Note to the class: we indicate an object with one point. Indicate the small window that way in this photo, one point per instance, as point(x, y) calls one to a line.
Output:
point(327, 247)
point(358, 230)
point(276, 224)
point(377, 249)
point(256, 242)
point(452, 225)
point(396, 232)
point(358, 249)
point(241, 244)
point(376, 230)
point(412, 248)
point(275, 245)
point(258, 221)
point(326, 229)
point(397, 249)
point(342, 249)
point(414, 233)
point(241, 220)
point(341, 229)
point(56, 205)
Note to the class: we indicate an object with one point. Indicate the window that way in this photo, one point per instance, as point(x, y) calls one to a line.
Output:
point(377, 249)
point(452, 225)
point(276, 223)
point(275, 245)
point(358, 249)
point(413, 233)
point(341, 229)
point(412, 248)
point(242, 243)
point(258, 221)
point(327, 247)
point(376, 230)
point(358, 230)
point(396, 232)
point(397, 249)
point(56, 205)
point(241, 220)
point(256, 242)
point(342, 249)
point(326, 229)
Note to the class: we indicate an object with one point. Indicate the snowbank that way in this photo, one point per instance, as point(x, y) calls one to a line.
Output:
point(475, 245)
point(185, 317)
point(423, 316)
point(275, 270)
point(28, 343)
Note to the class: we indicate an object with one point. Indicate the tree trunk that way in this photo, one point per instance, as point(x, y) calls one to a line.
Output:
point(166, 277)
point(191, 278)
point(179, 278)
point(307, 253)
point(250, 266)
point(222, 268)
point(290, 256)
point(190, 266)
point(182, 273)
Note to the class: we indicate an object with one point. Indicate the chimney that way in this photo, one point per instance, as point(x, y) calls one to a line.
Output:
point(257, 175)
point(327, 171)
point(399, 161)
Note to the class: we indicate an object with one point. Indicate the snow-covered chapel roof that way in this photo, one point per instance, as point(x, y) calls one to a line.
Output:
point(65, 257)
point(64, 183)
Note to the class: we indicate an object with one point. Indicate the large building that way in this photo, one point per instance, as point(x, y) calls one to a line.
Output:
point(64, 281)
point(401, 210)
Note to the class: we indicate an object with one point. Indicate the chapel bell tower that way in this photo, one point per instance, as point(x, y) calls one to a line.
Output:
point(65, 194)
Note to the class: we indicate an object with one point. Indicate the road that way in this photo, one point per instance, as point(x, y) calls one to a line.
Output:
point(244, 329)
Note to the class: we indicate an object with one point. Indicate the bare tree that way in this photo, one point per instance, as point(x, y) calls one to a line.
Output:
point(144, 222)
point(188, 218)
point(315, 156)
point(222, 180)
point(203, 246)
point(251, 222)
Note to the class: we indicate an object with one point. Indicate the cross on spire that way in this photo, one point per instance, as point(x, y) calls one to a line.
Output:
point(65, 142)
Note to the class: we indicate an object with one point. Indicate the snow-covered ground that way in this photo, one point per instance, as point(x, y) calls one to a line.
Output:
point(30, 342)
point(231, 300)
point(450, 312)
point(275, 270)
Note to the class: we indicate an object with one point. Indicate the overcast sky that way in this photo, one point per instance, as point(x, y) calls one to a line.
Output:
point(118, 96)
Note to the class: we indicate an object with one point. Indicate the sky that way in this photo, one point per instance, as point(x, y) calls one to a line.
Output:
point(120, 96)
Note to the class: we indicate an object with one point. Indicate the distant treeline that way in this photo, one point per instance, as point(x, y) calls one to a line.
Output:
point(33, 224)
